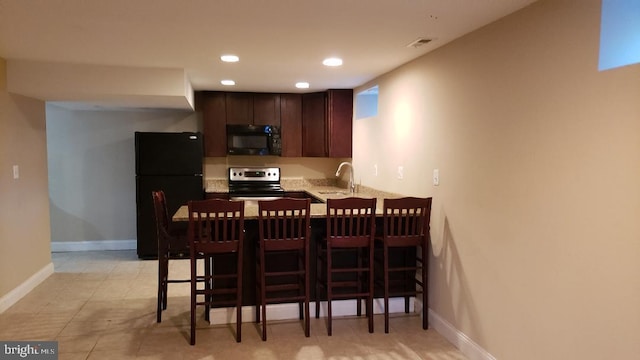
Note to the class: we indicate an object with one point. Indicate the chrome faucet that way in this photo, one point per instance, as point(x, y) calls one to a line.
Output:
point(352, 183)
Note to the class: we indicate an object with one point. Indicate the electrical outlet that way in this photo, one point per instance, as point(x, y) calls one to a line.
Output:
point(436, 177)
point(16, 172)
point(400, 172)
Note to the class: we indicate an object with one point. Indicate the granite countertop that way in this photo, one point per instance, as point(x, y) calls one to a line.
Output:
point(320, 190)
point(333, 192)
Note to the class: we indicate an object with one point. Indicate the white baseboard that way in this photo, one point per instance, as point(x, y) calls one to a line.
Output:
point(64, 246)
point(23, 289)
point(466, 346)
point(290, 311)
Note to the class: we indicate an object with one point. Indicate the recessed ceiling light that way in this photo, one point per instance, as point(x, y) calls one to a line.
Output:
point(229, 58)
point(228, 82)
point(302, 85)
point(332, 62)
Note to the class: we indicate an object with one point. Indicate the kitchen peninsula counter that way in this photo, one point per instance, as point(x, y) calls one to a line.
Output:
point(318, 210)
point(322, 192)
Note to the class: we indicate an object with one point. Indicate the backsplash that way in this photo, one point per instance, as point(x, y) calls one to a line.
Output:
point(216, 185)
point(303, 168)
point(295, 183)
point(301, 183)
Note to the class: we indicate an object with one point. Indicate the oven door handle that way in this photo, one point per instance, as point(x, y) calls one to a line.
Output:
point(253, 198)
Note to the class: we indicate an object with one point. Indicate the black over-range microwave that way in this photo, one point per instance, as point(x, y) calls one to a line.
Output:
point(253, 140)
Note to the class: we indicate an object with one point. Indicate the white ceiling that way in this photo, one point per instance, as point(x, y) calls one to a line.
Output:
point(279, 42)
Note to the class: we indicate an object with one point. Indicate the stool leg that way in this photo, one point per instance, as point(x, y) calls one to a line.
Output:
point(301, 279)
point(193, 301)
point(239, 297)
point(318, 278)
point(263, 293)
point(165, 283)
point(329, 290)
point(370, 290)
point(410, 276)
point(258, 304)
point(258, 283)
point(359, 279)
point(264, 316)
point(306, 292)
point(386, 288)
point(208, 271)
point(425, 287)
point(160, 289)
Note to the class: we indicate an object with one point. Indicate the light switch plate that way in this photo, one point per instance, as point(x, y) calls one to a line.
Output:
point(400, 172)
point(436, 177)
point(16, 172)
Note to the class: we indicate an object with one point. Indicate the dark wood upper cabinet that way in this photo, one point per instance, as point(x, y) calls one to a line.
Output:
point(340, 122)
point(312, 125)
point(327, 123)
point(266, 109)
point(239, 108)
point(291, 124)
point(214, 122)
point(314, 137)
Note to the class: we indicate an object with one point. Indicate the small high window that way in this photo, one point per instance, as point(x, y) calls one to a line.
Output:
point(367, 103)
point(619, 33)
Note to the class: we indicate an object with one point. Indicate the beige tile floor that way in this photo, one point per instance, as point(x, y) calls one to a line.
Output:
point(101, 305)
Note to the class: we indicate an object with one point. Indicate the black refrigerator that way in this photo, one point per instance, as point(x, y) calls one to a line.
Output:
point(171, 162)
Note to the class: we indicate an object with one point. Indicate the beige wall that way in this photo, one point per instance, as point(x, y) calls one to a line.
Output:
point(24, 204)
point(536, 237)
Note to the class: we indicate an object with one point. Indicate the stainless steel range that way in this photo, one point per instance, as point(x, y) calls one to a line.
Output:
point(254, 183)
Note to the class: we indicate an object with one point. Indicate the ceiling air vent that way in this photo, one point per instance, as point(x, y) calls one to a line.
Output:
point(419, 42)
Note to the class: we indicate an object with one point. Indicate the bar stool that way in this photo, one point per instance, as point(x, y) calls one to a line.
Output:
point(166, 239)
point(284, 231)
point(406, 226)
point(216, 227)
point(350, 231)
